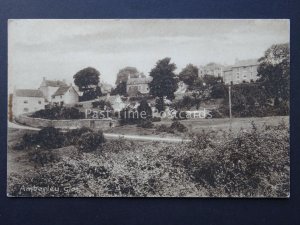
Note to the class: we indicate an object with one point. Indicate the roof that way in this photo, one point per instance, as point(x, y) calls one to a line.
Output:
point(61, 90)
point(29, 93)
point(248, 62)
point(141, 80)
point(55, 83)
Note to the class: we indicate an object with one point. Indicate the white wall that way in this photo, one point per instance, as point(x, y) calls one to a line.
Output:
point(69, 98)
point(48, 92)
point(27, 104)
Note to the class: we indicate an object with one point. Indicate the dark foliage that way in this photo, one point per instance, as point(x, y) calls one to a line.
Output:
point(90, 141)
point(87, 81)
point(59, 113)
point(120, 89)
point(145, 123)
point(164, 82)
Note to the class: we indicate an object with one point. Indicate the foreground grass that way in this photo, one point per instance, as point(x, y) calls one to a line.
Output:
point(251, 163)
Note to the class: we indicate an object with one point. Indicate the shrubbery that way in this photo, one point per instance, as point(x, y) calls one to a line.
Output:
point(175, 126)
point(59, 113)
point(253, 163)
point(51, 138)
point(146, 124)
point(250, 163)
point(90, 141)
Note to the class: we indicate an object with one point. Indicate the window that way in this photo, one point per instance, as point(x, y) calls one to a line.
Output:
point(61, 96)
point(26, 110)
point(25, 101)
point(40, 102)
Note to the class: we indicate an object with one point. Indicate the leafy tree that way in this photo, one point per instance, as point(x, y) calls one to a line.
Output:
point(87, 81)
point(145, 109)
point(120, 89)
point(210, 80)
point(274, 72)
point(189, 74)
point(127, 72)
point(164, 82)
point(102, 104)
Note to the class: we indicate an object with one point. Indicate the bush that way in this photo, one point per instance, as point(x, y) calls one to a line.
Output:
point(164, 128)
point(89, 142)
point(72, 136)
point(156, 119)
point(176, 125)
point(46, 138)
point(28, 140)
point(253, 163)
point(50, 138)
point(41, 158)
point(59, 113)
point(146, 124)
point(101, 104)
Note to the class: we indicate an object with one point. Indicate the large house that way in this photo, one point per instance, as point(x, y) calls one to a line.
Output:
point(26, 101)
point(138, 85)
point(212, 69)
point(242, 71)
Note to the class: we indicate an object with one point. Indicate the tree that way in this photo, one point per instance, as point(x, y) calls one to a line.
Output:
point(87, 80)
point(164, 82)
point(144, 109)
point(189, 74)
point(120, 89)
point(274, 72)
point(127, 72)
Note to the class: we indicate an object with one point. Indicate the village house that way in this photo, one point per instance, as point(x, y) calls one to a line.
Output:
point(49, 87)
point(138, 85)
point(241, 72)
point(26, 101)
point(212, 69)
point(56, 91)
point(66, 95)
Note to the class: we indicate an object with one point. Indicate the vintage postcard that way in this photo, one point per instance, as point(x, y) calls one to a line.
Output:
point(148, 108)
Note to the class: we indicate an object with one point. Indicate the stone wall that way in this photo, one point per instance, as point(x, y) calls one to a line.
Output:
point(66, 124)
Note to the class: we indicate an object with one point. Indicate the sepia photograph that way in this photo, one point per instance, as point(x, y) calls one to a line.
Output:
point(148, 108)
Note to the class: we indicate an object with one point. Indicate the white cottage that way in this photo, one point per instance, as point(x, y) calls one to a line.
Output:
point(49, 87)
point(26, 101)
point(65, 95)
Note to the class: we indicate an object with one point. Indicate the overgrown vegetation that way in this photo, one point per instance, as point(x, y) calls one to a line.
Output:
point(175, 126)
point(59, 113)
point(252, 163)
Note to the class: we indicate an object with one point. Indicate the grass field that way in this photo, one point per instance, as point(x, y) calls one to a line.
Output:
point(198, 125)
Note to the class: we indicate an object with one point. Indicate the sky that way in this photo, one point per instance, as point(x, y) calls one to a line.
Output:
point(57, 49)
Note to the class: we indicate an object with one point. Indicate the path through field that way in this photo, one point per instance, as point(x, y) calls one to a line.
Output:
point(113, 136)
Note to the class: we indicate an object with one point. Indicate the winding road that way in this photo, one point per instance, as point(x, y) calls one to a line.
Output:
point(113, 136)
